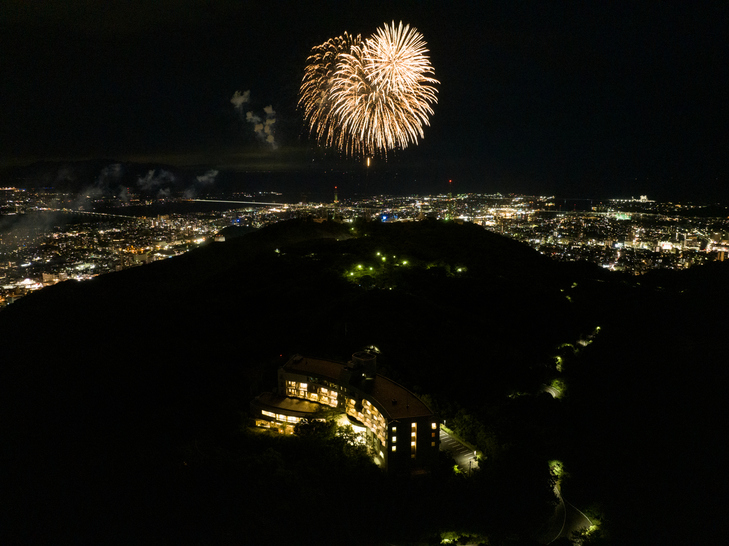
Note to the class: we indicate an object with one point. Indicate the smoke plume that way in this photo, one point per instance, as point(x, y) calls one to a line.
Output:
point(239, 99)
point(153, 180)
point(263, 124)
point(208, 177)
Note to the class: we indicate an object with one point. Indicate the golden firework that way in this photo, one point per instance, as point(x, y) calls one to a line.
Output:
point(369, 96)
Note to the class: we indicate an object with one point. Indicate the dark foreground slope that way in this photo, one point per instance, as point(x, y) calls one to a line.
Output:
point(648, 411)
point(123, 397)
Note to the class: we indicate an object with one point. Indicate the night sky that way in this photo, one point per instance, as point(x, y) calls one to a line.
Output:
point(593, 99)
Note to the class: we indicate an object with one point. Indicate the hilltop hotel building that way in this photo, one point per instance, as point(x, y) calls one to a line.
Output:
point(400, 430)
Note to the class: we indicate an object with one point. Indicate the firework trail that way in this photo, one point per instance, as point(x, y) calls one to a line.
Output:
point(368, 96)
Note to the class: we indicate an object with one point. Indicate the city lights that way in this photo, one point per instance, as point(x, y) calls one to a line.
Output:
point(631, 236)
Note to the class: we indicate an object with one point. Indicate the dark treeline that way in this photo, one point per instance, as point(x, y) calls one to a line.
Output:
point(646, 410)
point(125, 398)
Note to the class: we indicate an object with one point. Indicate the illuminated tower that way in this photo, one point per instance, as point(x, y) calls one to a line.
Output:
point(366, 192)
point(451, 213)
point(336, 198)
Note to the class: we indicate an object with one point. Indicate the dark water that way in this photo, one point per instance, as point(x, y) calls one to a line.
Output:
point(319, 186)
point(165, 207)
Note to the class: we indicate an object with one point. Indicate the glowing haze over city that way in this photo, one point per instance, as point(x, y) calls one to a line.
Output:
point(532, 121)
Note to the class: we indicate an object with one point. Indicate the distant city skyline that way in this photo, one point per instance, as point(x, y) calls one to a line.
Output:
point(47, 237)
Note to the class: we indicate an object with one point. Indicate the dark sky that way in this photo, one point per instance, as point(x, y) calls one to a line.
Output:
point(597, 99)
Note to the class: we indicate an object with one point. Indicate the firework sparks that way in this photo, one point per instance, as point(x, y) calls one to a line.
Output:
point(368, 96)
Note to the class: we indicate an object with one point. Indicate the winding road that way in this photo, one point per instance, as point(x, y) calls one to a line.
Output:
point(464, 456)
point(566, 518)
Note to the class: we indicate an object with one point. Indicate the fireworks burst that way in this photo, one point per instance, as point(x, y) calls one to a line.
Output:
point(369, 96)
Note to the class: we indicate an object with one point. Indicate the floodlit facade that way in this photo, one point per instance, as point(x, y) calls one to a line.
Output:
point(401, 432)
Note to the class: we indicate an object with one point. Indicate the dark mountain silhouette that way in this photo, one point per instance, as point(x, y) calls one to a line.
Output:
point(123, 397)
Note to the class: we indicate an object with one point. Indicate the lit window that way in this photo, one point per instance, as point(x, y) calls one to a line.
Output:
point(394, 429)
point(432, 435)
point(412, 434)
point(433, 426)
point(303, 385)
point(394, 448)
point(432, 444)
point(412, 444)
point(413, 425)
point(394, 438)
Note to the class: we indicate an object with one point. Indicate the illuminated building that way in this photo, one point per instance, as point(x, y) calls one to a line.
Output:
point(401, 432)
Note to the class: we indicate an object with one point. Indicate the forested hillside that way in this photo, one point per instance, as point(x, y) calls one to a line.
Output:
point(125, 398)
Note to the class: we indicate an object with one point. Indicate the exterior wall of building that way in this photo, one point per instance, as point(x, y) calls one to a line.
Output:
point(323, 391)
point(284, 423)
point(413, 443)
point(281, 413)
point(397, 444)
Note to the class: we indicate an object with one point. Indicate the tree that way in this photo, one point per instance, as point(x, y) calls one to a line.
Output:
point(315, 428)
